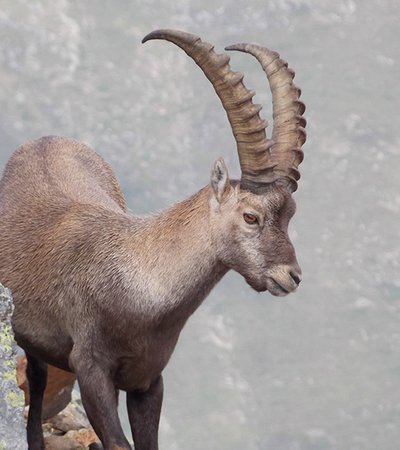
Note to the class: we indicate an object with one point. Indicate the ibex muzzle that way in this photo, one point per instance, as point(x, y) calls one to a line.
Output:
point(105, 294)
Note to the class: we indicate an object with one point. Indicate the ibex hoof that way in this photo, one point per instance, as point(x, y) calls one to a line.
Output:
point(95, 446)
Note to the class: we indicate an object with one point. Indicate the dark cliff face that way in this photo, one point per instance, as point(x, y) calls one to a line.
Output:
point(12, 426)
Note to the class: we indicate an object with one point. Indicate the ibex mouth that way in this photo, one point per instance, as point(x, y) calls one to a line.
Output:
point(272, 286)
point(279, 288)
point(278, 284)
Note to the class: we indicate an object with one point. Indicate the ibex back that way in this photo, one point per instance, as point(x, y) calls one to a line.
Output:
point(105, 294)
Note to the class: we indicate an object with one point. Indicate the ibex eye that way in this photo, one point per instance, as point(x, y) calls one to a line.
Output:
point(251, 219)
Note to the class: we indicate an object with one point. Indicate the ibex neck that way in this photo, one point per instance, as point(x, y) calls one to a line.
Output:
point(179, 263)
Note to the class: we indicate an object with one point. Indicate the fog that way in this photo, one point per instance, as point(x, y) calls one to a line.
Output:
point(317, 370)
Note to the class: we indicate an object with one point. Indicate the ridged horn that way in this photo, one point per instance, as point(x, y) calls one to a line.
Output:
point(248, 128)
point(288, 134)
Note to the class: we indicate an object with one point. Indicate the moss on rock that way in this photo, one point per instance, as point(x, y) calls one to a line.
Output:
point(12, 427)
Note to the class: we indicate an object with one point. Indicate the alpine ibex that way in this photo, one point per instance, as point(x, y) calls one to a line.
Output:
point(105, 294)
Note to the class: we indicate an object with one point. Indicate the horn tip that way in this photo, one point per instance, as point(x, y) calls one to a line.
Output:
point(238, 47)
point(169, 34)
point(156, 34)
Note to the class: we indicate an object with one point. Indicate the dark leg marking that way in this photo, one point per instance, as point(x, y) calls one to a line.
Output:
point(37, 378)
point(144, 410)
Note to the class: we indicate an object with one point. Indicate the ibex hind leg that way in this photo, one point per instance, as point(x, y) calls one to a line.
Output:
point(37, 379)
point(144, 410)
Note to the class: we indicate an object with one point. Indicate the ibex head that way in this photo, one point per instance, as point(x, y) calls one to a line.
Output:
point(250, 218)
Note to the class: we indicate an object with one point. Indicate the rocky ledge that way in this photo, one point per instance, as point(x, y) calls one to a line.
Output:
point(12, 426)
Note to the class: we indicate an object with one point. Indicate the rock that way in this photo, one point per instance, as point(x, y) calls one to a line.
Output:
point(55, 442)
point(66, 422)
point(84, 437)
point(58, 390)
point(12, 426)
point(70, 419)
point(70, 429)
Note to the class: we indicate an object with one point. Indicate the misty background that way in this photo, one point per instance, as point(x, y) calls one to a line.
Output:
point(320, 369)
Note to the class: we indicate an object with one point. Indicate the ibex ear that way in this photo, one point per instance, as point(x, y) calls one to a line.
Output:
point(219, 179)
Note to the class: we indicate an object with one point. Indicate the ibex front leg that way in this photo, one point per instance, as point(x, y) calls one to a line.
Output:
point(99, 399)
point(144, 410)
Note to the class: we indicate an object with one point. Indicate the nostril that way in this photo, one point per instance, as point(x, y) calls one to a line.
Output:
point(296, 277)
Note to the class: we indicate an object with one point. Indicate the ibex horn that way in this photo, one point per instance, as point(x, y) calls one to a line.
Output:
point(288, 134)
point(254, 148)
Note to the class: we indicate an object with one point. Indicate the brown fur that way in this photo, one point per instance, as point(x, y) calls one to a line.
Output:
point(105, 294)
